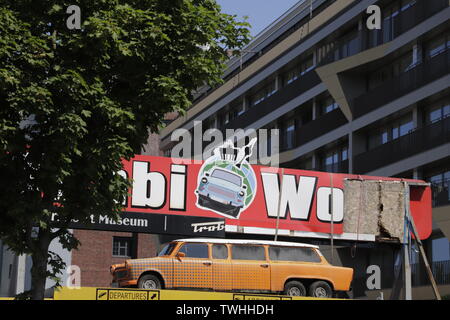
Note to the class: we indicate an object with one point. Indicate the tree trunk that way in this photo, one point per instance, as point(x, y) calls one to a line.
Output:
point(39, 268)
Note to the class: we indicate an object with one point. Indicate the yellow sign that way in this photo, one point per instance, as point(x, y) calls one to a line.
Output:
point(120, 294)
point(106, 294)
point(102, 294)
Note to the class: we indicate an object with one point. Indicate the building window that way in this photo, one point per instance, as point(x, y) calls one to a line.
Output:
point(324, 51)
point(350, 44)
point(392, 70)
point(438, 111)
point(438, 45)
point(390, 132)
point(299, 70)
point(441, 253)
point(263, 94)
point(391, 16)
point(272, 139)
point(240, 109)
point(440, 183)
point(236, 110)
point(334, 158)
point(121, 247)
point(327, 105)
point(289, 134)
point(223, 119)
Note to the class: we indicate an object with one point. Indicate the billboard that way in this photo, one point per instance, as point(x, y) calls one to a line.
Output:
point(255, 199)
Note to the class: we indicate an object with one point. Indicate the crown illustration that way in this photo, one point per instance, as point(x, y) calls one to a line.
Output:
point(237, 155)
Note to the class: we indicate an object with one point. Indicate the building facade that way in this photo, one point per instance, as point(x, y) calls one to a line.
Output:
point(348, 99)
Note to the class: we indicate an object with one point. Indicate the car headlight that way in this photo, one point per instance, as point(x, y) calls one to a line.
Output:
point(241, 194)
point(204, 180)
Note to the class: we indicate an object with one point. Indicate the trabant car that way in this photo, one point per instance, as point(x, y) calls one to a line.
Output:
point(222, 191)
point(289, 268)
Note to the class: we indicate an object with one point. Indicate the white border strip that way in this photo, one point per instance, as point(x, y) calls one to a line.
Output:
point(303, 234)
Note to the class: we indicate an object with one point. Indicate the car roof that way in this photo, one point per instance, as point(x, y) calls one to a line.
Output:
point(247, 241)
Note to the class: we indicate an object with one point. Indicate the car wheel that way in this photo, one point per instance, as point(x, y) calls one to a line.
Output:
point(320, 289)
point(295, 289)
point(149, 281)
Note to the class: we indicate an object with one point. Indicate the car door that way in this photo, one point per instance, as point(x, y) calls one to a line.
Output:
point(194, 269)
point(251, 269)
point(222, 269)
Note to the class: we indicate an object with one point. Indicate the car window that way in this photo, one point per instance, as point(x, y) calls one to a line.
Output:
point(195, 250)
point(293, 254)
point(228, 176)
point(248, 252)
point(167, 250)
point(219, 251)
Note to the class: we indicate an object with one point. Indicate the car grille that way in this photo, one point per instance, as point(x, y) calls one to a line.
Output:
point(221, 191)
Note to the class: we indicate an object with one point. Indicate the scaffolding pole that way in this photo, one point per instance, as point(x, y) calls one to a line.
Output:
point(411, 229)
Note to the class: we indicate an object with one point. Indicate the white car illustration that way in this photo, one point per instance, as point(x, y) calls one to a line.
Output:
point(222, 191)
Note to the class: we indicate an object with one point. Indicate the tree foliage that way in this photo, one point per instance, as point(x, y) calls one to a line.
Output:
point(74, 103)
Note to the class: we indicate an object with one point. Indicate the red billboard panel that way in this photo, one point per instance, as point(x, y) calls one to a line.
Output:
point(255, 199)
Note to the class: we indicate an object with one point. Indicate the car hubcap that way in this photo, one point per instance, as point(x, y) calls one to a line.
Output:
point(320, 292)
point(295, 291)
point(149, 284)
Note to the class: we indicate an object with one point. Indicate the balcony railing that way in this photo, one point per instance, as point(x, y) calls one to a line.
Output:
point(417, 141)
point(421, 74)
point(441, 193)
point(403, 22)
point(279, 98)
point(320, 126)
point(440, 270)
point(338, 167)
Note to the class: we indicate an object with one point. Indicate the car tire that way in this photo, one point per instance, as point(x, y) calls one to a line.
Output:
point(320, 289)
point(149, 282)
point(295, 288)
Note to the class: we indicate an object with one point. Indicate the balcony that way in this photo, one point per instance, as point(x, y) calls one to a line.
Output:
point(338, 167)
point(420, 75)
point(279, 98)
point(441, 193)
point(418, 141)
point(440, 270)
point(404, 21)
point(320, 126)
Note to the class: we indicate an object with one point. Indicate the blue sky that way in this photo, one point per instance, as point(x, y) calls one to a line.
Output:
point(260, 12)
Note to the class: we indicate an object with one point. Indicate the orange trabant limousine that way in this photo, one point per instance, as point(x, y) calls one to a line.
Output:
point(290, 268)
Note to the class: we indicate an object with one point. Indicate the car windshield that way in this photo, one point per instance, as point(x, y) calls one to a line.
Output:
point(167, 250)
point(228, 176)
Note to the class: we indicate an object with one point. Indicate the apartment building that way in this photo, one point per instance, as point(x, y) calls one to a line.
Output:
point(349, 99)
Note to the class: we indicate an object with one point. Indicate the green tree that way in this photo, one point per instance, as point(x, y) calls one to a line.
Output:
point(74, 103)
